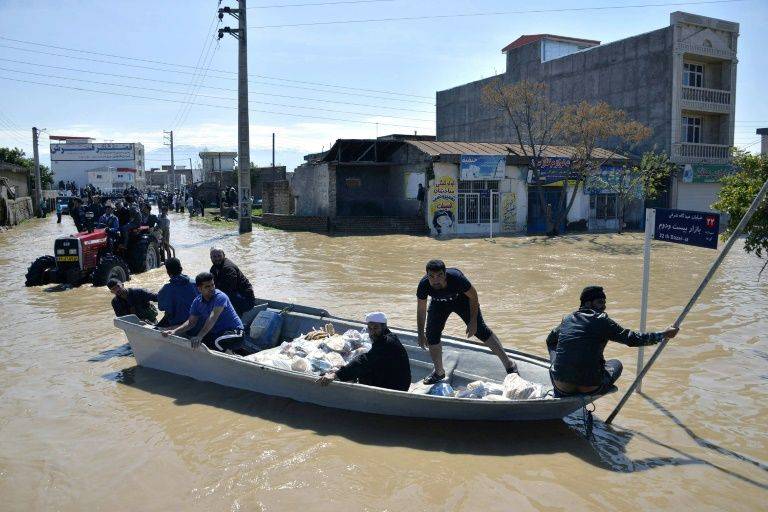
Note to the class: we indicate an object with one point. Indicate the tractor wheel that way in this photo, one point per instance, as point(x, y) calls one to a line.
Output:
point(37, 275)
point(110, 267)
point(143, 256)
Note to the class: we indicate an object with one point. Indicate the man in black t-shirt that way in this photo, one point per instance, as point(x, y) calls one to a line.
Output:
point(451, 292)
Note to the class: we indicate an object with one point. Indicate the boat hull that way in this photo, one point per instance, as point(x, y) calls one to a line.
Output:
point(174, 355)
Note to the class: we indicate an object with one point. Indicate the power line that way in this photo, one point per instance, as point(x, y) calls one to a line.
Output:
point(196, 90)
point(203, 51)
point(12, 127)
point(164, 63)
point(207, 104)
point(220, 77)
point(215, 88)
point(370, 114)
point(279, 6)
point(498, 13)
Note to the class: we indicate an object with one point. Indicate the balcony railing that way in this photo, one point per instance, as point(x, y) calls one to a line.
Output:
point(700, 152)
point(707, 95)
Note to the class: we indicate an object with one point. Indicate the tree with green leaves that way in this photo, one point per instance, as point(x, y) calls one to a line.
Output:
point(643, 181)
point(598, 134)
point(18, 157)
point(736, 195)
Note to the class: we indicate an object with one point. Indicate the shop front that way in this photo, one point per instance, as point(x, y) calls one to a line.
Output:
point(699, 185)
point(477, 195)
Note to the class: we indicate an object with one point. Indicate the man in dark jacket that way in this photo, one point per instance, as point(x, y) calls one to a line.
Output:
point(77, 213)
point(231, 281)
point(175, 297)
point(147, 217)
point(386, 365)
point(132, 301)
point(134, 218)
point(576, 346)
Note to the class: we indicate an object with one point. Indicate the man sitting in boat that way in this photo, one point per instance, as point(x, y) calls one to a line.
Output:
point(222, 329)
point(386, 365)
point(132, 301)
point(451, 292)
point(231, 281)
point(176, 297)
point(576, 346)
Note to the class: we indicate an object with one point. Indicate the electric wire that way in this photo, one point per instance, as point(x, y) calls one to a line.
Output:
point(208, 104)
point(303, 98)
point(165, 63)
point(200, 58)
point(497, 13)
point(166, 91)
point(320, 100)
point(280, 6)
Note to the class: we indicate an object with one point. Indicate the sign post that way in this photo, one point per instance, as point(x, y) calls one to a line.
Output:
point(686, 227)
point(490, 221)
point(650, 221)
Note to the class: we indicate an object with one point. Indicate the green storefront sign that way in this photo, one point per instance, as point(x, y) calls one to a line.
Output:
point(706, 173)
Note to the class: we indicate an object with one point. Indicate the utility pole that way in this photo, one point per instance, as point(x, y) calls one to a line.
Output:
point(273, 152)
point(243, 147)
point(38, 189)
point(173, 166)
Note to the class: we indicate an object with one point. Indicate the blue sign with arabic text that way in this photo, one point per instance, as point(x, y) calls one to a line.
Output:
point(482, 167)
point(687, 227)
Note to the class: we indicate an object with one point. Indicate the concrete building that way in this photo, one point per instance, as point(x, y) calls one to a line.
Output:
point(112, 180)
point(263, 175)
point(372, 185)
point(16, 178)
point(763, 133)
point(679, 80)
point(73, 157)
point(217, 163)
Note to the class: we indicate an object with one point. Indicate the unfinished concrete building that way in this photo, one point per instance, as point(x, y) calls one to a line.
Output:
point(679, 80)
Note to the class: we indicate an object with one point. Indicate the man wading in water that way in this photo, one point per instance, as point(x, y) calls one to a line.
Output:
point(451, 292)
point(576, 346)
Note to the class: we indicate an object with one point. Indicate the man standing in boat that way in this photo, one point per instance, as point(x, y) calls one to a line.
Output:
point(451, 292)
point(576, 346)
point(386, 365)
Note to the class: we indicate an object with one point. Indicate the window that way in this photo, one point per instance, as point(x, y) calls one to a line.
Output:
point(693, 75)
point(478, 185)
point(603, 206)
point(691, 129)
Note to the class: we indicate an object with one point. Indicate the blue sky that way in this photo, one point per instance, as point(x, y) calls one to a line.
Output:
point(385, 72)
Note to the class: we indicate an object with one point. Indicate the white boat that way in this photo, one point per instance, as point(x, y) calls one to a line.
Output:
point(465, 362)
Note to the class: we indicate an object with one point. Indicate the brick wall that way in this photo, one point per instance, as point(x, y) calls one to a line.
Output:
point(379, 225)
point(13, 212)
point(276, 197)
point(293, 222)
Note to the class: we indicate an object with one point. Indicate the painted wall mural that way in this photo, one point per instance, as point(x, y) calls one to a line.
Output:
point(509, 212)
point(443, 204)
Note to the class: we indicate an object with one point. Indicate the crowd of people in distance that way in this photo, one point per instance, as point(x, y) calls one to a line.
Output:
point(209, 311)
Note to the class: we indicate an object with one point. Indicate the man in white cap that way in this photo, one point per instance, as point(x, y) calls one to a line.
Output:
point(386, 365)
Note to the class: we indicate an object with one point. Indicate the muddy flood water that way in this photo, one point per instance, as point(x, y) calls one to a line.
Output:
point(83, 428)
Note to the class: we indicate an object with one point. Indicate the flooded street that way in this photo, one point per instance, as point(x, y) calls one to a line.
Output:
point(82, 428)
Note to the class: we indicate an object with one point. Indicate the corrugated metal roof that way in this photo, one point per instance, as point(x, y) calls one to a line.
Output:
point(435, 148)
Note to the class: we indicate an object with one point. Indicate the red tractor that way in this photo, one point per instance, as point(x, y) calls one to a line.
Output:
point(96, 256)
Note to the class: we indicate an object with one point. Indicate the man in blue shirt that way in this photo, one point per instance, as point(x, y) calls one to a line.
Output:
point(222, 330)
point(109, 219)
point(175, 298)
